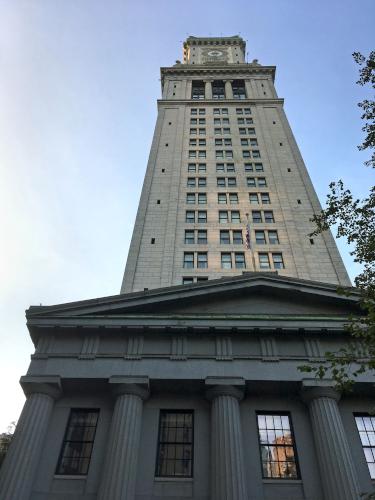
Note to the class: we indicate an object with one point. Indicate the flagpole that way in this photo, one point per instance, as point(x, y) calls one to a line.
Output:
point(248, 242)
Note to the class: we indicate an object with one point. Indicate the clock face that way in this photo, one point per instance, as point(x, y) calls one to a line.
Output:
point(215, 53)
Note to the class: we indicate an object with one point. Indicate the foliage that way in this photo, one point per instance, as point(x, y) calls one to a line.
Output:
point(354, 219)
point(5, 440)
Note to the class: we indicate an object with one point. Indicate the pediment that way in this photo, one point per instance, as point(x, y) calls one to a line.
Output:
point(258, 293)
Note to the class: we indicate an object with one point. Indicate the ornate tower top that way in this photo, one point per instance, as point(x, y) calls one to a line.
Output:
point(214, 50)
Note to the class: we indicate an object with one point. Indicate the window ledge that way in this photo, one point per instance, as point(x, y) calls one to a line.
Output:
point(67, 476)
point(281, 481)
point(174, 479)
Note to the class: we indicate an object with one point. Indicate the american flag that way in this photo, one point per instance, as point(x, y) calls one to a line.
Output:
point(248, 236)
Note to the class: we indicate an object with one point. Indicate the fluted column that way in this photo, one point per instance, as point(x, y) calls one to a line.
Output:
point(17, 473)
point(208, 89)
point(339, 477)
point(227, 463)
point(228, 89)
point(120, 467)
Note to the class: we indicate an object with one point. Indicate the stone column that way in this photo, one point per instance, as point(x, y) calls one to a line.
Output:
point(208, 89)
point(227, 463)
point(120, 467)
point(228, 89)
point(249, 90)
point(338, 474)
point(17, 473)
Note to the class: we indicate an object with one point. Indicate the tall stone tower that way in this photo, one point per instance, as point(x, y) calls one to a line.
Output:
point(225, 174)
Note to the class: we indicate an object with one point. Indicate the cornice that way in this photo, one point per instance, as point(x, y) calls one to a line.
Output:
point(216, 102)
point(230, 69)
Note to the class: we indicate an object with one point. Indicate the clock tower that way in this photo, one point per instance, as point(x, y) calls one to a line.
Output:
point(228, 50)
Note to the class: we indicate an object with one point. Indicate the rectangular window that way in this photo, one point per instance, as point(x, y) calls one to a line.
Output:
point(232, 182)
point(262, 182)
point(228, 154)
point(265, 197)
point(264, 261)
point(242, 131)
point(202, 260)
point(233, 198)
point(256, 154)
point(239, 111)
point(256, 216)
point(224, 238)
point(217, 131)
point(223, 216)
point(220, 181)
point(188, 260)
point(202, 111)
point(224, 111)
point(192, 154)
point(190, 182)
point(189, 237)
point(248, 121)
point(202, 216)
point(226, 130)
point(78, 442)
point(197, 90)
point(260, 238)
point(227, 142)
point(235, 216)
point(237, 238)
point(366, 428)
point(251, 131)
point(193, 111)
point(247, 111)
point(201, 154)
point(222, 198)
point(202, 198)
point(277, 447)
point(216, 111)
point(219, 154)
point(175, 444)
point(201, 167)
point(225, 121)
point(268, 216)
point(239, 260)
point(202, 131)
point(238, 88)
point(190, 216)
point(230, 167)
point(202, 182)
point(278, 262)
point(202, 237)
point(245, 154)
point(226, 261)
point(202, 142)
point(219, 167)
point(253, 198)
point(202, 121)
point(244, 142)
point(259, 167)
point(193, 131)
point(240, 121)
point(218, 142)
point(192, 142)
point(187, 281)
point(192, 167)
point(273, 238)
point(251, 182)
point(253, 142)
point(248, 167)
point(193, 121)
point(190, 198)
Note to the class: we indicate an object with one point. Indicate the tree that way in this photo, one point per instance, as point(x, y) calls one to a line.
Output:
point(5, 440)
point(354, 219)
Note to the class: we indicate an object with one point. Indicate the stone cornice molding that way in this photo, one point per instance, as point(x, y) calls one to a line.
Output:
point(242, 102)
point(204, 70)
point(134, 386)
point(49, 385)
point(224, 386)
point(314, 389)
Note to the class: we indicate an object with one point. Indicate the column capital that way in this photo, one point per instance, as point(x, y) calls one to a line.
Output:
point(49, 385)
point(135, 386)
point(224, 386)
point(314, 388)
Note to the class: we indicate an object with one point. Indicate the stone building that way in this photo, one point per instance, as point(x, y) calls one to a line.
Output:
point(186, 385)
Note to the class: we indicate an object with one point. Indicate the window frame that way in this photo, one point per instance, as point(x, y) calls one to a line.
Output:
point(159, 442)
point(65, 440)
point(294, 446)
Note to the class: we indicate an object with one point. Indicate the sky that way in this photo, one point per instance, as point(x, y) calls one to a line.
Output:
point(79, 81)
